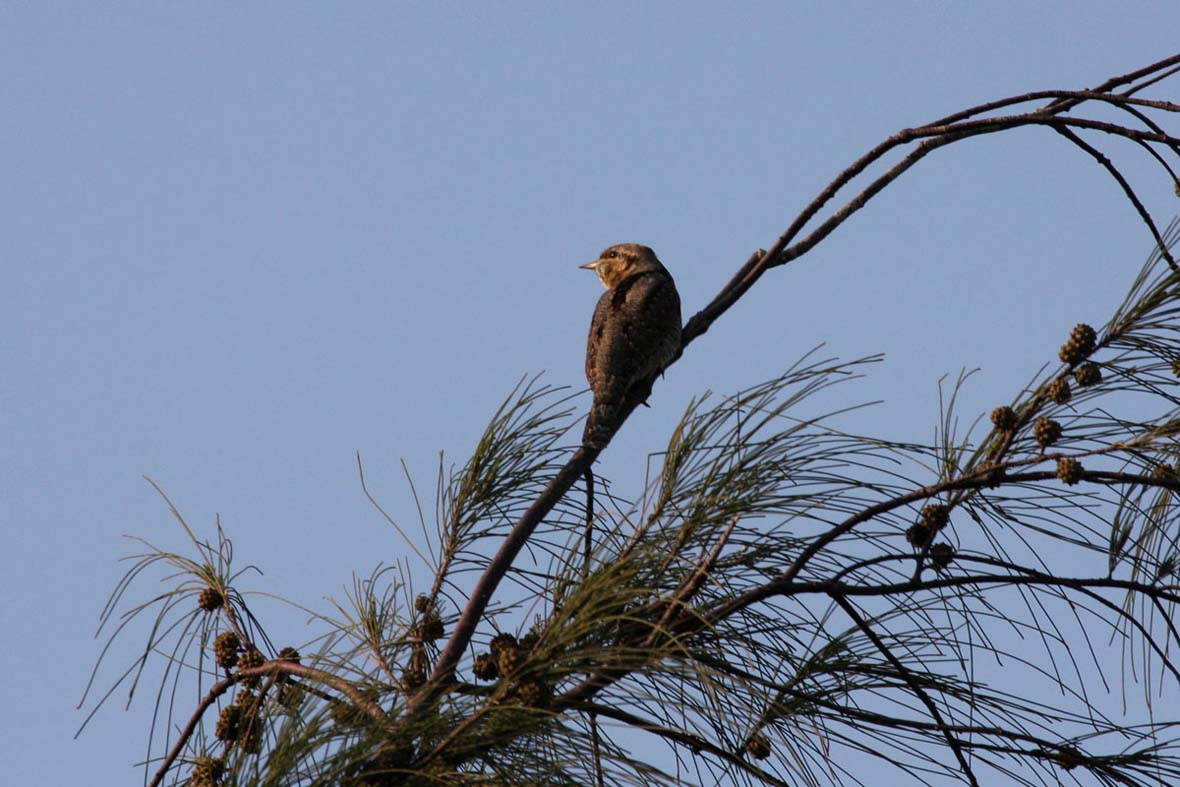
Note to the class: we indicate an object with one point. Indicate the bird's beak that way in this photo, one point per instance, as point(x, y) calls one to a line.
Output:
point(590, 265)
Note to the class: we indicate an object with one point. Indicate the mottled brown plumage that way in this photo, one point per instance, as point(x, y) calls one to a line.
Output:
point(635, 333)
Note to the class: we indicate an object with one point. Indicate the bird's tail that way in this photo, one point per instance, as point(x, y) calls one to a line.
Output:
point(600, 424)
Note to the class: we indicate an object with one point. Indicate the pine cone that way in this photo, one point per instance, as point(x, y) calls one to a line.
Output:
point(207, 771)
point(1069, 470)
point(249, 659)
point(534, 694)
point(758, 747)
point(485, 667)
point(229, 723)
point(432, 628)
point(508, 659)
point(502, 641)
point(1046, 431)
point(247, 701)
point(941, 555)
point(225, 649)
point(1004, 418)
point(918, 535)
point(1088, 374)
point(1082, 342)
point(210, 599)
point(935, 517)
point(1059, 390)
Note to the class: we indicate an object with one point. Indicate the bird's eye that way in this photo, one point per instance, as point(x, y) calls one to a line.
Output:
point(612, 254)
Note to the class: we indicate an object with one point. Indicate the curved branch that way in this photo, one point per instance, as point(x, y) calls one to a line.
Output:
point(941, 132)
point(933, 136)
point(219, 688)
point(1127, 190)
point(267, 669)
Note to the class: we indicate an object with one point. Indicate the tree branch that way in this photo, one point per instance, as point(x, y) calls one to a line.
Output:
point(933, 136)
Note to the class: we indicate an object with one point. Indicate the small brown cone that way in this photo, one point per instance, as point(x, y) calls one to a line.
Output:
point(1069, 470)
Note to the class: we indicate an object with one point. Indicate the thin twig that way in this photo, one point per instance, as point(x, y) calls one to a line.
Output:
point(910, 680)
point(1127, 190)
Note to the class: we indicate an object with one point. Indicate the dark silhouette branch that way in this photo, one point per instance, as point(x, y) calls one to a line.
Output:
point(946, 130)
point(1126, 187)
point(914, 685)
point(693, 742)
point(499, 565)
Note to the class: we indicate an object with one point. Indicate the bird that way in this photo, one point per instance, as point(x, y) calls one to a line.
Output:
point(634, 335)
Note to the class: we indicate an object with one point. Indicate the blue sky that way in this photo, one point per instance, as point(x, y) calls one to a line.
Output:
point(241, 244)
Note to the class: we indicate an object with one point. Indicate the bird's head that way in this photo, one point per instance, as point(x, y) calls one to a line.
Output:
point(622, 261)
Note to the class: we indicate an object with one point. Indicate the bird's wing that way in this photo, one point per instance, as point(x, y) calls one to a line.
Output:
point(634, 333)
